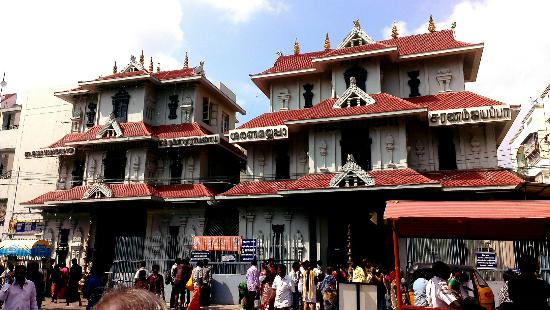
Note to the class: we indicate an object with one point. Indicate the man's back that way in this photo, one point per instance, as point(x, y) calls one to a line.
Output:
point(529, 292)
point(419, 287)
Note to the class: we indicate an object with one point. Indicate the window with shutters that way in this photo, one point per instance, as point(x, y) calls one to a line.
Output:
point(225, 122)
point(206, 110)
point(120, 105)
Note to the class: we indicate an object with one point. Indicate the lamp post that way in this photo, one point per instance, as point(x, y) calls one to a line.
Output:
point(2, 85)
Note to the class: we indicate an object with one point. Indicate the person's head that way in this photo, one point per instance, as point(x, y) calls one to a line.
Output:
point(528, 265)
point(156, 269)
point(142, 264)
point(205, 262)
point(34, 267)
point(329, 270)
point(178, 261)
point(20, 273)
point(319, 263)
point(186, 261)
point(200, 264)
point(142, 274)
point(130, 299)
point(441, 270)
point(305, 264)
point(281, 270)
point(74, 261)
point(455, 272)
point(254, 262)
point(296, 266)
point(270, 262)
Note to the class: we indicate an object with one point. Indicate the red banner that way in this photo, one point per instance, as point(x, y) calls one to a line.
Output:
point(217, 243)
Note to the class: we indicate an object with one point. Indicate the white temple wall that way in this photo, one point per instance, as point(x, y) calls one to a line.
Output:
point(162, 111)
point(389, 145)
point(324, 150)
point(373, 76)
point(135, 165)
point(292, 89)
point(135, 106)
point(94, 166)
point(260, 161)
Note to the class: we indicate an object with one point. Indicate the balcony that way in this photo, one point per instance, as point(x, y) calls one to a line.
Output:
point(8, 138)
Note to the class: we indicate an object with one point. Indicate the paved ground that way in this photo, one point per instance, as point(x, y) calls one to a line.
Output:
point(62, 306)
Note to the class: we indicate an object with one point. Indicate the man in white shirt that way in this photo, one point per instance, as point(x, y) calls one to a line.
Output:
point(438, 293)
point(21, 294)
point(142, 265)
point(284, 288)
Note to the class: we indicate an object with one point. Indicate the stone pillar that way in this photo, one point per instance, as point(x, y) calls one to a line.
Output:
point(268, 219)
point(250, 216)
point(288, 233)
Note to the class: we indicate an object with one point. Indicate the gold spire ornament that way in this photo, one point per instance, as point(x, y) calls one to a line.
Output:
point(453, 26)
point(115, 69)
point(296, 47)
point(158, 66)
point(142, 58)
point(151, 66)
point(431, 24)
point(327, 42)
point(394, 32)
point(186, 62)
point(356, 24)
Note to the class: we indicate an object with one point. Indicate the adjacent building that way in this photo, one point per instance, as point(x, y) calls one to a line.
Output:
point(10, 112)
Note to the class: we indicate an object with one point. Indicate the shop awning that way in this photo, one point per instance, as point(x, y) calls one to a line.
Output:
point(26, 248)
point(497, 219)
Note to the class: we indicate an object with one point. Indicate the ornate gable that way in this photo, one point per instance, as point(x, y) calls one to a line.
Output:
point(353, 96)
point(356, 37)
point(110, 129)
point(134, 65)
point(351, 175)
point(98, 190)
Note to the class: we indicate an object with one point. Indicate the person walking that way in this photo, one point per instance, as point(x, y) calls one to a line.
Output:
point(252, 284)
point(141, 281)
point(7, 274)
point(309, 291)
point(296, 277)
point(206, 283)
point(197, 275)
point(283, 286)
point(49, 271)
point(34, 274)
point(21, 293)
point(63, 281)
point(527, 291)
point(142, 266)
point(156, 282)
point(75, 275)
point(174, 292)
point(55, 278)
point(93, 288)
point(328, 290)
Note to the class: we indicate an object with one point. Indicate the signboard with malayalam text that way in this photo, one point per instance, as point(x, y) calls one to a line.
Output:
point(475, 115)
point(50, 152)
point(258, 134)
point(190, 141)
point(486, 260)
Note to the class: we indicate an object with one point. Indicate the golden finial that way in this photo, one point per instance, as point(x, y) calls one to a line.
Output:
point(356, 24)
point(394, 32)
point(142, 58)
point(327, 42)
point(186, 62)
point(151, 65)
point(115, 69)
point(296, 47)
point(158, 66)
point(431, 24)
point(453, 26)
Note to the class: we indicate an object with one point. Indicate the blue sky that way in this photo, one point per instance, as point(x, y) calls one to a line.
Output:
point(233, 50)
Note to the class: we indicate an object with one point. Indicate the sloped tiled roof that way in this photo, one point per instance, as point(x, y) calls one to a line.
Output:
point(426, 42)
point(130, 190)
point(253, 188)
point(406, 45)
point(180, 130)
point(453, 100)
point(475, 178)
point(161, 76)
point(130, 129)
point(273, 118)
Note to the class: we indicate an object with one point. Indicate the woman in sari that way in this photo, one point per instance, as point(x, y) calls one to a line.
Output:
point(197, 276)
point(63, 281)
point(309, 291)
point(267, 276)
point(328, 290)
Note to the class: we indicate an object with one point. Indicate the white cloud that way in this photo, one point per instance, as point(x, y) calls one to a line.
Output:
point(402, 29)
point(59, 42)
point(242, 10)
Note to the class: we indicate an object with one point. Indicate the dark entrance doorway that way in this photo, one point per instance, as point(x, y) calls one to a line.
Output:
point(112, 223)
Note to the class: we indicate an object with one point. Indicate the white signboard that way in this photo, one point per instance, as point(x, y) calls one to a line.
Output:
point(258, 134)
point(51, 152)
point(486, 114)
point(190, 141)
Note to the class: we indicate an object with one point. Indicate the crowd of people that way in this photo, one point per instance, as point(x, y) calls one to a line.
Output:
point(308, 285)
point(186, 280)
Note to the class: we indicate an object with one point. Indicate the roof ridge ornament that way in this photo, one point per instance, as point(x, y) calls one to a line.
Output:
point(296, 47)
point(351, 175)
point(356, 36)
point(431, 24)
point(97, 190)
point(394, 32)
point(115, 69)
point(353, 96)
point(142, 59)
point(186, 62)
point(151, 66)
point(327, 42)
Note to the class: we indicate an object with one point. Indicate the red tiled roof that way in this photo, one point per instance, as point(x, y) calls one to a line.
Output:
point(475, 178)
point(453, 100)
point(174, 74)
point(287, 63)
point(273, 118)
point(406, 45)
point(384, 103)
point(137, 129)
point(425, 42)
point(122, 75)
point(180, 130)
point(252, 188)
point(356, 49)
point(185, 191)
point(128, 191)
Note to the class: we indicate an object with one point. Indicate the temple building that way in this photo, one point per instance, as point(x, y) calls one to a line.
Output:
point(145, 156)
point(353, 126)
point(10, 112)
